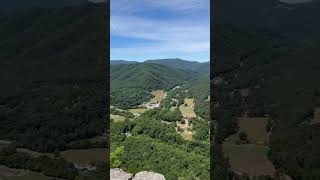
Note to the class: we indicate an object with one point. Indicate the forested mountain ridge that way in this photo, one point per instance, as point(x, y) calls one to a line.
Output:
point(115, 62)
point(54, 90)
point(147, 76)
point(199, 67)
point(278, 76)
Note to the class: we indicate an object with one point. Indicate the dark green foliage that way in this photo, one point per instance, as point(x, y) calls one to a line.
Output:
point(202, 68)
point(243, 136)
point(295, 20)
point(200, 90)
point(281, 75)
point(219, 164)
point(201, 127)
point(164, 115)
point(44, 164)
point(126, 98)
point(178, 94)
point(157, 147)
point(147, 76)
point(145, 153)
point(53, 69)
point(125, 114)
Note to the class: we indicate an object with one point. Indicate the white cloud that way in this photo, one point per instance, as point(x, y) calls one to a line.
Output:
point(170, 35)
point(134, 6)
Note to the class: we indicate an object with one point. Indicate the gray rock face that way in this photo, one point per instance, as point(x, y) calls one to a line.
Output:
point(145, 175)
point(119, 174)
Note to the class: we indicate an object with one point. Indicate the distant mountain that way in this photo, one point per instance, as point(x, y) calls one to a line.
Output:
point(115, 62)
point(147, 76)
point(183, 64)
point(23, 4)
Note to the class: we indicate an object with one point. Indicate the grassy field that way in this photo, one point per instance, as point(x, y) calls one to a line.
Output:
point(189, 102)
point(188, 111)
point(173, 108)
point(138, 110)
point(117, 118)
point(255, 128)
point(187, 135)
point(85, 156)
point(159, 95)
point(249, 158)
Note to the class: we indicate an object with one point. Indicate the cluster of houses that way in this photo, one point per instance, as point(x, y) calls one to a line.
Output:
point(150, 105)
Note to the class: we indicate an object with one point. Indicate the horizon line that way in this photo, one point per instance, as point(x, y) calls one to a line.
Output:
point(161, 59)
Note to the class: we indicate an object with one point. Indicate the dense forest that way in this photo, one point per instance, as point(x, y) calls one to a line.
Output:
point(54, 88)
point(280, 71)
point(199, 67)
point(150, 145)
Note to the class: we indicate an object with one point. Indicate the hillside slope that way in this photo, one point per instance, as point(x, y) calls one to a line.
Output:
point(280, 77)
point(182, 64)
point(147, 76)
point(52, 68)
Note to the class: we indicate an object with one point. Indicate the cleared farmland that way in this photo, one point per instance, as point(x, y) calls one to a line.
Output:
point(138, 110)
point(249, 158)
point(158, 96)
point(85, 156)
point(187, 109)
point(255, 128)
point(117, 118)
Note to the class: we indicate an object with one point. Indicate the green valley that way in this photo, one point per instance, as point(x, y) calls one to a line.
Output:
point(165, 127)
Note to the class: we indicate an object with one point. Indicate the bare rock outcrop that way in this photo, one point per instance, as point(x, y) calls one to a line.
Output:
point(145, 175)
point(119, 174)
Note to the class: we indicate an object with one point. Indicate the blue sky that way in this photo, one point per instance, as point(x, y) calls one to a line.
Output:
point(156, 29)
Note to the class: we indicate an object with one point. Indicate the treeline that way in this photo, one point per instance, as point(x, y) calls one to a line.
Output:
point(202, 128)
point(164, 115)
point(88, 143)
point(125, 114)
point(200, 91)
point(48, 166)
point(126, 98)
